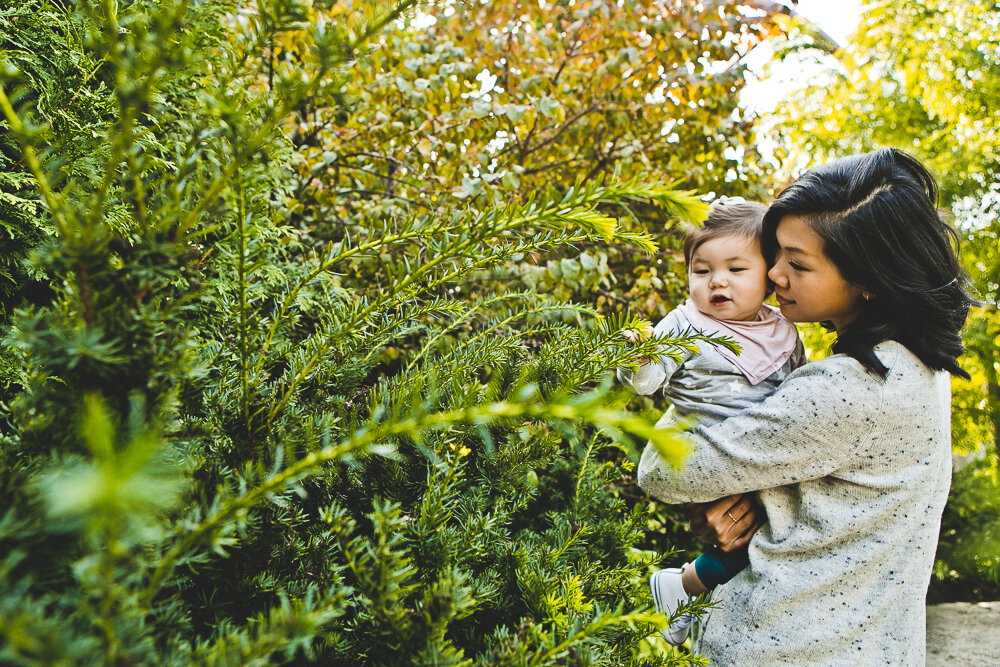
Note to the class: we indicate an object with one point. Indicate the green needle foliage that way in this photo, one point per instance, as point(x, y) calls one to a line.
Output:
point(225, 449)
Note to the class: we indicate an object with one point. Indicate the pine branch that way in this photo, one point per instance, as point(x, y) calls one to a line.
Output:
point(601, 621)
point(54, 202)
point(587, 408)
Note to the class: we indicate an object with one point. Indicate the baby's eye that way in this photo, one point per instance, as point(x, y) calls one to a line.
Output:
point(737, 269)
point(700, 272)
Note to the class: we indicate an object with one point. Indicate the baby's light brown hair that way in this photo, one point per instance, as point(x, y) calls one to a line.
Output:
point(744, 219)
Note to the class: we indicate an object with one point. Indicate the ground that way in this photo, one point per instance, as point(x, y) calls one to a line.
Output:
point(962, 634)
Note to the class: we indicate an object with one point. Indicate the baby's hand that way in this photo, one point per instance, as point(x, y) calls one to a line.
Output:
point(643, 331)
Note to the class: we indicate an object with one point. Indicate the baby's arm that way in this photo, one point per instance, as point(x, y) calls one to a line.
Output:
point(654, 374)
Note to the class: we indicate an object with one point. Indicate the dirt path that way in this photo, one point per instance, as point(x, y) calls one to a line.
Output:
point(962, 634)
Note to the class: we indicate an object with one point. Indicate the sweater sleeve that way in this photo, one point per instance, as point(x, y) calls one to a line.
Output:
point(806, 430)
point(654, 375)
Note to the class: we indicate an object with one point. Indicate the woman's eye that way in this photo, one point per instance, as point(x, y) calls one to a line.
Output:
point(797, 267)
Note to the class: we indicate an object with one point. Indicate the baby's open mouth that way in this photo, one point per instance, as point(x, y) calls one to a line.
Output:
point(718, 298)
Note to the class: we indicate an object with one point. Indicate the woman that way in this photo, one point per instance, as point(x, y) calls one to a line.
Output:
point(851, 457)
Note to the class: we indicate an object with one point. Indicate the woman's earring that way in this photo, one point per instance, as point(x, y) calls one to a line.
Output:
point(867, 296)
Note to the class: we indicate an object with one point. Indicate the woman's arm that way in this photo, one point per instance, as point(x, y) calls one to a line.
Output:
point(810, 427)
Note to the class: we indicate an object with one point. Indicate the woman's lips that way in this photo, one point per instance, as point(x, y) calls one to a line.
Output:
point(782, 301)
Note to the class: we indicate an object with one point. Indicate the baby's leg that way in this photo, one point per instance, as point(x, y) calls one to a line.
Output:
point(712, 569)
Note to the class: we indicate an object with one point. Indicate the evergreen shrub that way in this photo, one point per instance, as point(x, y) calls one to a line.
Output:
point(216, 453)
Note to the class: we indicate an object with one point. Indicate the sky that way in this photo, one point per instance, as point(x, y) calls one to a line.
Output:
point(838, 18)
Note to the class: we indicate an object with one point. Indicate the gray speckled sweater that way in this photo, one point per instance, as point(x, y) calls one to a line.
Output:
point(854, 474)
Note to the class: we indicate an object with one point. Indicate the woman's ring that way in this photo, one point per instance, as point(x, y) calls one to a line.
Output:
point(730, 516)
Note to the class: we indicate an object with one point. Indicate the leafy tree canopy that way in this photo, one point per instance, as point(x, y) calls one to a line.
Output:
point(475, 104)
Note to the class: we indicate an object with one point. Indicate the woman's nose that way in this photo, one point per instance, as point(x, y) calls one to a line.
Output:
point(777, 276)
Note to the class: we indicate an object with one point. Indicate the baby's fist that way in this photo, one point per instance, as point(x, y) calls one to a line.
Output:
point(642, 331)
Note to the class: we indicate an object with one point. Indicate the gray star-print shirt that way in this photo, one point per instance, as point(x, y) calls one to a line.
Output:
point(703, 383)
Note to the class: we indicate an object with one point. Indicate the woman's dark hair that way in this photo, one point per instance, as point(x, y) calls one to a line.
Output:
point(742, 219)
point(877, 216)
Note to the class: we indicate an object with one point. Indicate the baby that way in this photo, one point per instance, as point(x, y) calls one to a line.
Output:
point(727, 282)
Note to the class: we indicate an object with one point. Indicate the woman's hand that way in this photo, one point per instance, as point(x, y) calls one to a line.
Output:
point(729, 522)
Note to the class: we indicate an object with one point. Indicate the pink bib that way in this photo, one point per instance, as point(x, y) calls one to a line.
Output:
point(765, 344)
